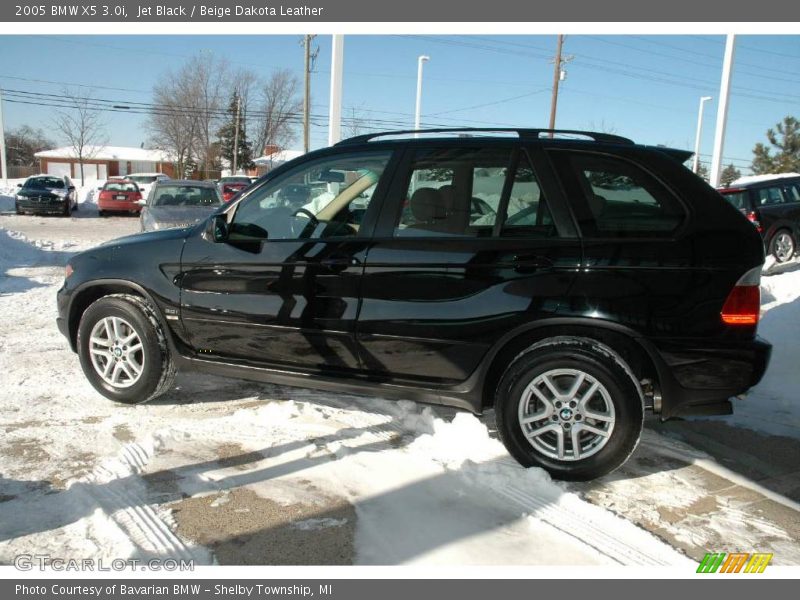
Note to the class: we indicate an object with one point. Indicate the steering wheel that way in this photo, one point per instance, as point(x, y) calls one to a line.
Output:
point(313, 221)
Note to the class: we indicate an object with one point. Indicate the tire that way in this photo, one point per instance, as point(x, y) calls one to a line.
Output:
point(133, 315)
point(18, 209)
point(617, 402)
point(75, 207)
point(67, 210)
point(101, 213)
point(783, 245)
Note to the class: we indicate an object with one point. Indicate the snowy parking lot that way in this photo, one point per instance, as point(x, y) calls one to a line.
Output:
point(231, 472)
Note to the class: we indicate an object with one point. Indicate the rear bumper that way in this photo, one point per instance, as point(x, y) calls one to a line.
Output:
point(695, 375)
point(118, 205)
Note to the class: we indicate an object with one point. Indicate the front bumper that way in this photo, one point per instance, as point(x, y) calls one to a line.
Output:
point(44, 205)
point(696, 375)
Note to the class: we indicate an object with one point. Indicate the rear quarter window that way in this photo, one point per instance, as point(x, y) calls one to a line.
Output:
point(614, 197)
point(738, 199)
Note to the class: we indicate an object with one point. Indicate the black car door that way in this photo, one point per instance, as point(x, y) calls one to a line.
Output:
point(467, 248)
point(283, 290)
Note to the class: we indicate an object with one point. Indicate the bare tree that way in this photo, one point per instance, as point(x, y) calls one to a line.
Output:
point(172, 123)
point(212, 80)
point(279, 111)
point(189, 105)
point(355, 124)
point(82, 126)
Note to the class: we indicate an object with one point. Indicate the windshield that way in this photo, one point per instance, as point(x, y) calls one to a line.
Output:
point(143, 178)
point(45, 182)
point(244, 180)
point(186, 195)
point(120, 186)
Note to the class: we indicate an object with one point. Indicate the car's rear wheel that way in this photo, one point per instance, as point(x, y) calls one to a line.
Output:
point(783, 246)
point(123, 349)
point(101, 213)
point(571, 406)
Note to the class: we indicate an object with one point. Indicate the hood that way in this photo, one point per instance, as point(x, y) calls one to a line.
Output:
point(146, 237)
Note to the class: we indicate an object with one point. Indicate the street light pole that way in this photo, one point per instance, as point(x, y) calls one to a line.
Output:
point(696, 161)
point(418, 113)
point(722, 109)
point(3, 165)
point(335, 110)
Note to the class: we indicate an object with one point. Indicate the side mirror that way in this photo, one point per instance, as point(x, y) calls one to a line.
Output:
point(71, 188)
point(19, 185)
point(217, 229)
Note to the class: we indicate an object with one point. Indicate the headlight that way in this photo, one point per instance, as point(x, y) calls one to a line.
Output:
point(18, 197)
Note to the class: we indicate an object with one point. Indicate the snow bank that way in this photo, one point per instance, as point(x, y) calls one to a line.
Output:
point(773, 406)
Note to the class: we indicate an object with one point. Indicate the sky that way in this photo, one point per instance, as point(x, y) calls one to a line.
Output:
point(643, 87)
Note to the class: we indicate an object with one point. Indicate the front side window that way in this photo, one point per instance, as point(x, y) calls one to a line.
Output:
point(612, 197)
point(325, 198)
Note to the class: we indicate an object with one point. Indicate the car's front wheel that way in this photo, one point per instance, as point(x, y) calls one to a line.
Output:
point(571, 406)
point(67, 209)
point(123, 350)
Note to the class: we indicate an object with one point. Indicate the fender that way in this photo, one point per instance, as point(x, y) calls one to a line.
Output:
point(119, 283)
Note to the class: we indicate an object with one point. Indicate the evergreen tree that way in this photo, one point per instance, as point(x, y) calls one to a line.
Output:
point(785, 141)
point(227, 138)
point(729, 175)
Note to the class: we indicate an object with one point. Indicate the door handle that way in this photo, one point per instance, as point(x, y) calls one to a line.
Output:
point(531, 264)
point(338, 264)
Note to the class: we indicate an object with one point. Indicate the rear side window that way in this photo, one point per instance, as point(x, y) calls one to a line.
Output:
point(769, 195)
point(470, 192)
point(793, 192)
point(612, 197)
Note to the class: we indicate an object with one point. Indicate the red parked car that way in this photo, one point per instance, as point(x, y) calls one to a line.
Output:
point(119, 195)
point(229, 190)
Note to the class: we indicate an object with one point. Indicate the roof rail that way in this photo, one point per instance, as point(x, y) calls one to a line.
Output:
point(521, 132)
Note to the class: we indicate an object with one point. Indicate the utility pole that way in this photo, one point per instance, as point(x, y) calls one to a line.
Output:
point(236, 134)
point(3, 165)
point(558, 75)
point(309, 62)
point(722, 109)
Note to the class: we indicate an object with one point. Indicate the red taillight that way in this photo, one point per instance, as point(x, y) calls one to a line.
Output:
point(751, 216)
point(743, 304)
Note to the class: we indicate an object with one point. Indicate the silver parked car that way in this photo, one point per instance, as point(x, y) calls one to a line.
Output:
point(178, 203)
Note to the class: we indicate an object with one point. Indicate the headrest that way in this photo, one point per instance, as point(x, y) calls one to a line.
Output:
point(427, 204)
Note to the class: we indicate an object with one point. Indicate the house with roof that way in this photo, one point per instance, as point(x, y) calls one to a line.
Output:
point(102, 162)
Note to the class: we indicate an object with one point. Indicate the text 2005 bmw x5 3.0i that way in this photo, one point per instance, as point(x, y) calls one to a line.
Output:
point(570, 284)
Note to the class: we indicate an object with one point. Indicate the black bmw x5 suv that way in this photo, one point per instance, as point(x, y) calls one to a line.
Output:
point(570, 284)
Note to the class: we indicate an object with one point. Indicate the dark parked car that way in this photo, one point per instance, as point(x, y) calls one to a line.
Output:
point(570, 284)
point(46, 194)
point(178, 203)
point(772, 204)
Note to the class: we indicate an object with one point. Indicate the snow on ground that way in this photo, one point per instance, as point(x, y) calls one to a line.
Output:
point(236, 472)
point(773, 406)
